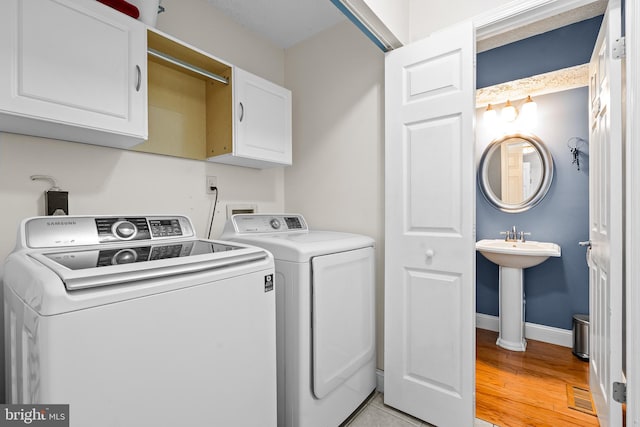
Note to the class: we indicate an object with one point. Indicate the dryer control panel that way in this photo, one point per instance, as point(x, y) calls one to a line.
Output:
point(268, 223)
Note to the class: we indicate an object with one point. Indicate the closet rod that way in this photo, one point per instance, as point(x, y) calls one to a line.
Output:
point(186, 65)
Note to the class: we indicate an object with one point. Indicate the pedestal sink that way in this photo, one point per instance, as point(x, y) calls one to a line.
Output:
point(513, 257)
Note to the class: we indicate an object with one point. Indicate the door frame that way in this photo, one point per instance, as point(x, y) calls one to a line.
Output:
point(515, 15)
point(632, 239)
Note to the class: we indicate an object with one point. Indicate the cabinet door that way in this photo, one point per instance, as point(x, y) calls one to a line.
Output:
point(75, 63)
point(262, 119)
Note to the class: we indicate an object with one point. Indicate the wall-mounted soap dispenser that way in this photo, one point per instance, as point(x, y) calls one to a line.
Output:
point(56, 201)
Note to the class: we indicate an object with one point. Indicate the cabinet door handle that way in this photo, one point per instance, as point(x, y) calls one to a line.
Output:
point(139, 73)
point(241, 112)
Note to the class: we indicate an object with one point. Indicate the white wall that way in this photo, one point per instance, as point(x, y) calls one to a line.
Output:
point(198, 23)
point(337, 177)
point(104, 181)
point(109, 181)
point(427, 16)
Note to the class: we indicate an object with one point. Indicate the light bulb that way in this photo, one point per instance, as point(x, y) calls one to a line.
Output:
point(509, 112)
point(489, 116)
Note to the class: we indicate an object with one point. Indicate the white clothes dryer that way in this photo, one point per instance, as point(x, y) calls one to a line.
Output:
point(135, 322)
point(325, 310)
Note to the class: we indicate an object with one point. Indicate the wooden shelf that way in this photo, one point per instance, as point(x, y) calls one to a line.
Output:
point(190, 115)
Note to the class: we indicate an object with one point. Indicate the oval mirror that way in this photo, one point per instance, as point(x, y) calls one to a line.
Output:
point(515, 172)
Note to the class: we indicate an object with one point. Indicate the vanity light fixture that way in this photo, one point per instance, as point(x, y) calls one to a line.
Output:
point(509, 113)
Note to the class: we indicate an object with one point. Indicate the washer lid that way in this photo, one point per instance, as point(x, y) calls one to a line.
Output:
point(88, 267)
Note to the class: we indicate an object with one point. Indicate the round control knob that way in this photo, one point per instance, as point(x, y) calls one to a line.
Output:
point(125, 256)
point(275, 224)
point(124, 230)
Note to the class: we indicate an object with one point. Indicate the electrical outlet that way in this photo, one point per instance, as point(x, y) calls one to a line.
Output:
point(212, 182)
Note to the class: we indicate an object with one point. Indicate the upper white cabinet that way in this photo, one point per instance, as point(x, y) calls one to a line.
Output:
point(262, 124)
point(201, 107)
point(78, 70)
point(73, 70)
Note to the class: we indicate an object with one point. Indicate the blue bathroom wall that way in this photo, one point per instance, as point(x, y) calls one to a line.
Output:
point(558, 288)
point(550, 51)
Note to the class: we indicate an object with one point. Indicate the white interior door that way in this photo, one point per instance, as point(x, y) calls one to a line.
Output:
point(605, 219)
point(430, 228)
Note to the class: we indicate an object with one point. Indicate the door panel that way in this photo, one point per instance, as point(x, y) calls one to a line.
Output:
point(433, 77)
point(263, 119)
point(424, 155)
point(429, 228)
point(433, 360)
point(605, 219)
point(74, 62)
point(65, 76)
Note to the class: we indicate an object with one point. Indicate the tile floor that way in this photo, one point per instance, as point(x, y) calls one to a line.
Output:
point(374, 413)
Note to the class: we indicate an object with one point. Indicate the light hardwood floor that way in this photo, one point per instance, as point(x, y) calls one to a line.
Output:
point(519, 389)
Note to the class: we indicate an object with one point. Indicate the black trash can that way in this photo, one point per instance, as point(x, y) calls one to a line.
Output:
point(581, 336)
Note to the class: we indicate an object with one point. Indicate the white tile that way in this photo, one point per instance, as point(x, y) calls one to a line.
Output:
point(378, 401)
point(384, 411)
point(373, 416)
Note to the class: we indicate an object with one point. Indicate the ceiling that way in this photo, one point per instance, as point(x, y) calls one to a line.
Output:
point(288, 22)
point(595, 8)
point(284, 22)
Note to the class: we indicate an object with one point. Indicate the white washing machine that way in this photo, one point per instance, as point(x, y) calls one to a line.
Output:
point(325, 290)
point(133, 321)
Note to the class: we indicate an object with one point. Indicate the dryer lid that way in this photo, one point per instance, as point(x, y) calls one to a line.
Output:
point(289, 242)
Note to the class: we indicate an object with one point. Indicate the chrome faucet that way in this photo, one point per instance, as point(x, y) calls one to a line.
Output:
point(512, 235)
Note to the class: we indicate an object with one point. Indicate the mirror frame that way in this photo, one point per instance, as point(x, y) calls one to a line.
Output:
point(543, 188)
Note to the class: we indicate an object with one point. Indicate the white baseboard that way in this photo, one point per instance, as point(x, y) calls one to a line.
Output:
point(380, 380)
point(533, 331)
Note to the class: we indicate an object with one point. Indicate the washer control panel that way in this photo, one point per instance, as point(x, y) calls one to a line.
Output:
point(55, 231)
point(139, 228)
point(268, 223)
point(165, 227)
point(112, 229)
